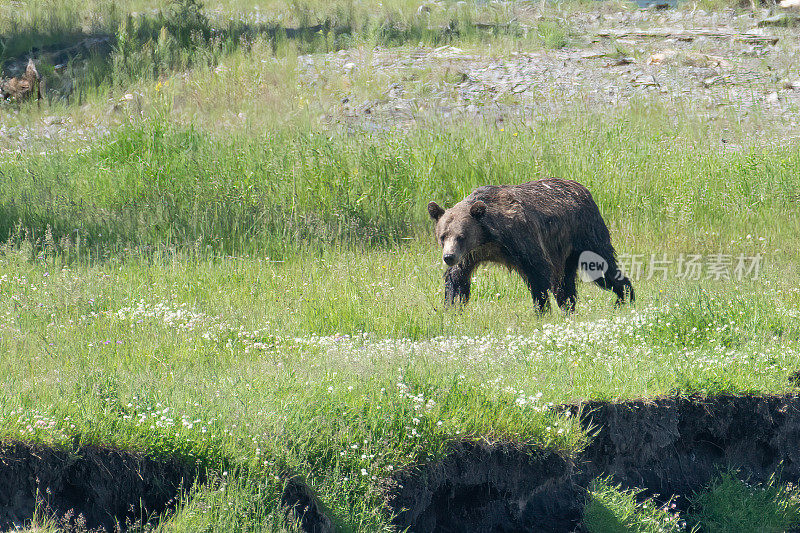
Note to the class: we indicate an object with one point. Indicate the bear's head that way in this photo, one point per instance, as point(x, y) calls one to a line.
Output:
point(459, 229)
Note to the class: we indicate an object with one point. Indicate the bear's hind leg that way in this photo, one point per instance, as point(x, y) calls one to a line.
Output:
point(457, 280)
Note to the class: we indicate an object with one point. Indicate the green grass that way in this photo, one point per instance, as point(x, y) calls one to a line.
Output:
point(727, 505)
point(226, 278)
point(278, 293)
point(267, 367)
point(612, 510)
point(288, 189)
point(231, 390)
point(730, 504)
point(280, 289)
point(552, 34)
point(151, 40)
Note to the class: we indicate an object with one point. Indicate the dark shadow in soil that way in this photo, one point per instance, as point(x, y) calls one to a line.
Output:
point(303, 505)
point(479, 487)
point(90, 489)
point(671, 447)
point(674, 446)
point(80, 46)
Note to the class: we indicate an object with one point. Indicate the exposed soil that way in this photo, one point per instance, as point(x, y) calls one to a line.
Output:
point(671, 447)
point(479, 487)
point(724, 66)
point(60, 54)
point(304, 506)
point(717, 65)
point(89, 489)
point(674, 446)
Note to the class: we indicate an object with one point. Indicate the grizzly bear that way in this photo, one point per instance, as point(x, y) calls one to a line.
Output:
point(539, 229)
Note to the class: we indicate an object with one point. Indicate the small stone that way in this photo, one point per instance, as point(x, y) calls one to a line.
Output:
point(783, 20)
point(646, 80)
point(793, 85)
point(593, 55)
point(621, 61)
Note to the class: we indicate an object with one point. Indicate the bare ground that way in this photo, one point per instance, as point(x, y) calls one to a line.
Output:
point(90, 488)
point(671, 447)
point(716, 66)
point(720, 66)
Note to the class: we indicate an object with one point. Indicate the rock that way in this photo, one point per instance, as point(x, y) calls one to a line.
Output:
point(783, 20)
point(49, 121)
point(621, 61)
point(712, 80)
point(790, 4)
point(662, 57)
point(395, 90)
point(772, 98)
point(688, 58)
point(755, 51)
point(593, 55)
point(349, 66)
point(645, 80)
point(791, 84)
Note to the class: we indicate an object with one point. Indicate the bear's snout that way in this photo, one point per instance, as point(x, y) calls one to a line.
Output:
point(449, 259)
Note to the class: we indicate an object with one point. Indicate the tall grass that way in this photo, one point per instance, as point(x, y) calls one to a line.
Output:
point(165, 38)
point(613, 510)
point(268, 301)
point(284, 189)
point(342, 364)
point(730, 504)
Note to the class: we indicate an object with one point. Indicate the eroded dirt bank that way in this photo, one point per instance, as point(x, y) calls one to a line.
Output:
point(92, 488)
point(675, 445)
point(668, 446)
point(671, 447)
point(479, 487)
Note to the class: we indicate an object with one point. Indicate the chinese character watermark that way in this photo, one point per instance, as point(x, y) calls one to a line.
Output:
point(692, 267)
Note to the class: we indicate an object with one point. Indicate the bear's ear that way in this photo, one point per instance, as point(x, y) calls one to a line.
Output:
point(478, 209)
point(435, 211)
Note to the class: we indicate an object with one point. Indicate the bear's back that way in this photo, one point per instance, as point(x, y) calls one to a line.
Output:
point(549, 196)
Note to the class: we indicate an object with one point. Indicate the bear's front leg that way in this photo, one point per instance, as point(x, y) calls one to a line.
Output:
point(456, 284)
point(537, 278)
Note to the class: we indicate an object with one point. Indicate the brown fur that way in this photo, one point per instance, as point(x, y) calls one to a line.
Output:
point(539, 229)
point(23, 87)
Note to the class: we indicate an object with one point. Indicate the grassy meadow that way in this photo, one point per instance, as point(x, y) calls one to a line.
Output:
point(199, 265)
